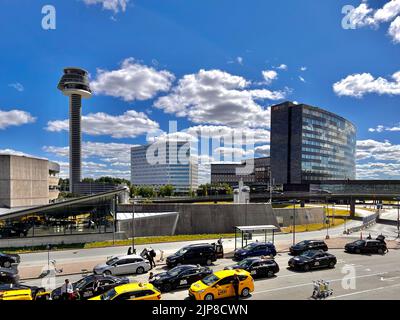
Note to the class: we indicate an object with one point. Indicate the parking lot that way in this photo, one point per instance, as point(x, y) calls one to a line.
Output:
point(354, 277)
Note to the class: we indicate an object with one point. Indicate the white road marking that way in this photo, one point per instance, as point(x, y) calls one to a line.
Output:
point(363, 291)
point(310, 283)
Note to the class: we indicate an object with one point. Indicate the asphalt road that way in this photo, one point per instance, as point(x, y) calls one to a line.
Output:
point(40, 258)
point(354, 277)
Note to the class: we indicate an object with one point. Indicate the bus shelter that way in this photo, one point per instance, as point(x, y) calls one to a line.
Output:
point(244, 234)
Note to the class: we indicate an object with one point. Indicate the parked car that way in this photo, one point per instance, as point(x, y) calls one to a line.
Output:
point(305, 245)
point(257, 267)
point(8, 276)
point(19, 291)
point(17, 230)
point(312, 259)
point(86, 286)
point(131, 291)
point(202, 253)
point(255, 249)
point(366, 246)
point(180, 276)
point(123, 265)
point(7, 260)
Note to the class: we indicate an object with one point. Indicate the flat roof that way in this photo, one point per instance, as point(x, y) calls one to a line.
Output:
point(257, 228)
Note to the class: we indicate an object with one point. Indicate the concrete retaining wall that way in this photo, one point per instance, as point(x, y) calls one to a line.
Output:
point(153, 226)
point(303, 216)
point(209, 218)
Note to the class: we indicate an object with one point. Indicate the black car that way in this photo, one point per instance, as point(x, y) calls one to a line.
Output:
point(86, 286)
point(366, 246)
point(180, 276)
point(203, 254)
point(306, 245)
point(8, 276)
point(17, 230)
point(255, 249)
point(258, 267)
point(313, 259)
point(7, 260)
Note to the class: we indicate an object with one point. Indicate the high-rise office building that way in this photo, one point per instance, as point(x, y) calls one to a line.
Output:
point(164, 163)
point(310, 144)
point(75, 84)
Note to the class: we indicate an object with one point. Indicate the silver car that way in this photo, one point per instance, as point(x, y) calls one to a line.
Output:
point(123, 265)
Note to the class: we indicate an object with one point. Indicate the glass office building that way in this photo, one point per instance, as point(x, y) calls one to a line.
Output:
point(165, 163)
point(310, 144)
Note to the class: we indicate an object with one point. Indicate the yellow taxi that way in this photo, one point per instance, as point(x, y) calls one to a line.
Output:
point(21, 292)
point(131, 291)
point(220, 285)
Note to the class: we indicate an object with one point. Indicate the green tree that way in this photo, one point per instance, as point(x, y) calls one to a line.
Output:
point(166, 191)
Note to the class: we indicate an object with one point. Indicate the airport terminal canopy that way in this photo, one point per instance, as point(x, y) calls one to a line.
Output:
point(89, 214)
point(257, 233)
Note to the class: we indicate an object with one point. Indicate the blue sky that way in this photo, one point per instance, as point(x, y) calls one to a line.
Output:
point(210, 64)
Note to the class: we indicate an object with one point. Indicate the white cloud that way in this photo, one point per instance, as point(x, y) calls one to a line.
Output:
point(303, 69)
point(112, 154)
point(133, 81)
point(15, 118)
point(17, 86)
point(378, 150)
point(364, 16)
point(130, 124)
point(381, 128)
point(357, 85)
point(269, 76)
point(264, 150)
point(282, 67)
point(302, 79)
point(239, 60)
point(217, 97)
point(394, 30)
point(113, 5)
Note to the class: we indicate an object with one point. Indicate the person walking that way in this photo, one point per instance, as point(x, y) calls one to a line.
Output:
point(67, 290)
point(130, 251)
point(151, 276)
point(150, 256)
point(235, 283)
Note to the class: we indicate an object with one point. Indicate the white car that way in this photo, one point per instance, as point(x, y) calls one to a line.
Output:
point(123, 265)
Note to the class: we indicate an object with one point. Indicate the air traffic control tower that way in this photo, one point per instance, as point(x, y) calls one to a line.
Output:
point(75, 84)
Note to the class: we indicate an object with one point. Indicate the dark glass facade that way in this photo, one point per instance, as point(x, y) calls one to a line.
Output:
point(310, 144)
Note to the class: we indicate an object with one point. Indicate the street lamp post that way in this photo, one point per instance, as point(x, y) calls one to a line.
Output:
point(133, 227)
point(327, 219)
point(294, 221)
point(398, 218)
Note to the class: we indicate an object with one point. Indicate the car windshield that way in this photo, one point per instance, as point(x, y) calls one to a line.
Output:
point(81, 283)
point(303, 243)
point(211, 279)
point(109, 295)
point(251, 246)
point(245, 263)
point(359, 242)
point(309, 254)
point(175, 271)
point(111, 261)
point(181, 252)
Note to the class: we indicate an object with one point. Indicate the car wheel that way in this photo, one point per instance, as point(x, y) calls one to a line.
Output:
point(270, 274)
point(245, 292)
point(358, 251)
point(208, 262)
point(107, 273)
point(306, 267)
point(331, 264)
point(167, 287)
point(139, 270)
point(209, 297)
point(7, 264)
